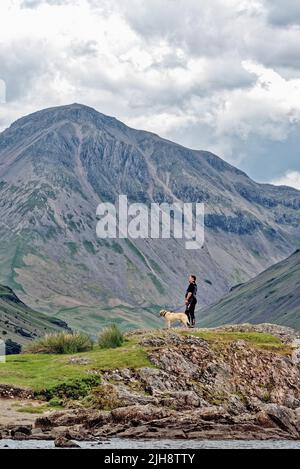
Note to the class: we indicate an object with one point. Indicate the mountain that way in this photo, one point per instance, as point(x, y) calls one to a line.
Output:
point(56, 165)
point(20, 323)
point(273, 297)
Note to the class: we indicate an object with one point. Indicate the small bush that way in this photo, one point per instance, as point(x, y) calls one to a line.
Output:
point(74, 389)
point(62, 343)
point(111, 337)
point(55, 402)
point(104, 397)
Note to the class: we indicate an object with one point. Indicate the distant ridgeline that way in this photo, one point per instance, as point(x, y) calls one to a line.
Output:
point(19, 324)
point(273, 297)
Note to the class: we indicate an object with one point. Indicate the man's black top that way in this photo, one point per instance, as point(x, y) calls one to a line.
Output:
point(192, 288)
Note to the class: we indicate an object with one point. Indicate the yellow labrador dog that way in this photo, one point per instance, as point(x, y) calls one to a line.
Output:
point(174, 317)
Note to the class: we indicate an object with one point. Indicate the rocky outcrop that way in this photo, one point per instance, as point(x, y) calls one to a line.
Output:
point(12, 392)
point(196, 389)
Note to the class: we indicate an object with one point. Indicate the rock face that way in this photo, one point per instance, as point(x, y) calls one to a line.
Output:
point(196, 390)
point(58, 164)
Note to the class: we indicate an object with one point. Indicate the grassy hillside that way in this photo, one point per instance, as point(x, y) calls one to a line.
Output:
point(273, 296)
point(20, 323)
point(91, 319)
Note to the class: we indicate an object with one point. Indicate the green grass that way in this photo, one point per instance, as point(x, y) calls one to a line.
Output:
point(40, 372)
point(259, 340)
point(111, 337)
point(62, 343)
point(41, 409)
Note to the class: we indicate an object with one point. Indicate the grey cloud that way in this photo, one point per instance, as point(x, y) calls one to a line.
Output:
point(36, 3)
point(199, 27)
point(31, 3)
point(84, 48)
point(283, 12)
point(212, 29)
point(276, 157)
point(258, 156)
point(21, 66)
point(276, 48)
point(207, 30)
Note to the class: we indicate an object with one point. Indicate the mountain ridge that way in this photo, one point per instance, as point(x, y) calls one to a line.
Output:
point(20, 323)
point(56, 165)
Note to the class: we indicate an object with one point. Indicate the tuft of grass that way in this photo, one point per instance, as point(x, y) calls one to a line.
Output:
point(53, 404)
point(33, 410)
point(111, 337)
point(61, 344)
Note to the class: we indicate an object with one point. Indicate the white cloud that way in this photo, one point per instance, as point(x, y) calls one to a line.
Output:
point(290, 178)
point(267, 108)
point(209, 74)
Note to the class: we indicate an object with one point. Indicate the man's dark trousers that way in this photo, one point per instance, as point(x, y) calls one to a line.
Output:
point(190, 311)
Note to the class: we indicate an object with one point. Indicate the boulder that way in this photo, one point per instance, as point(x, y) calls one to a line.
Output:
point(138, 413)
point(63, 442)
point(13, 392)
point(282, 417)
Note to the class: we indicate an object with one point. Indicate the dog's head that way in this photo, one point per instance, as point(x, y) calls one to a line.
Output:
point(162, 313)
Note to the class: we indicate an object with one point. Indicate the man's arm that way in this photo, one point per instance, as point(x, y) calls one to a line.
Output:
point(189, 296)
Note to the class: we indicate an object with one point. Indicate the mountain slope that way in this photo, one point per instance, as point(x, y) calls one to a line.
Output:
point(273, 296)
point(20, 323)
point(56, 165)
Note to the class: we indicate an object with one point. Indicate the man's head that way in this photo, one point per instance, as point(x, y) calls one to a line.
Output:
point(192, 278)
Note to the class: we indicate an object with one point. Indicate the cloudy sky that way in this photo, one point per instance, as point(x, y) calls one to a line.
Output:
point(219, 75)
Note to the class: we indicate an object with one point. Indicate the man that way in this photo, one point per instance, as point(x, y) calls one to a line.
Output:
point(191, 300)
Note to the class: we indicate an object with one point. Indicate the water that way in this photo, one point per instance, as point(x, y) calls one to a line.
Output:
point(161, 444)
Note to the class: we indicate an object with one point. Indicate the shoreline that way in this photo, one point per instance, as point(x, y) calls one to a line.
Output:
point(190, 445)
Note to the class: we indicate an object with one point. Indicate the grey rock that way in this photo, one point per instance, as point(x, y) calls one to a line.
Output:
point(65, 443)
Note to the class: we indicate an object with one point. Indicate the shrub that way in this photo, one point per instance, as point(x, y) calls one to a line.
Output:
point(55, 402)
point(74, 389)
point(104, 397)
point(111, 337)
point(62, 343)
